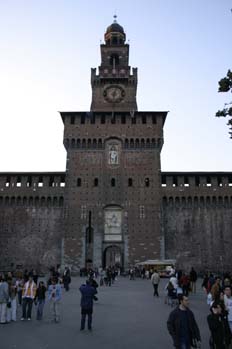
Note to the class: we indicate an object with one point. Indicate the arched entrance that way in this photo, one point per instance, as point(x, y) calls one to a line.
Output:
point(112, 256)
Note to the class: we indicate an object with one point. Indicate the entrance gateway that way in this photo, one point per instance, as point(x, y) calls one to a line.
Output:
point(113, 237)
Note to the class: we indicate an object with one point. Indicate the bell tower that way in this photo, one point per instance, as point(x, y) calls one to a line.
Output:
point(114, 87)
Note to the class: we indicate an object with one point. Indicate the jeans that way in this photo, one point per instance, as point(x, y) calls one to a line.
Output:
point(55, 310)
point(2, 313)
point(40, 307)
point(27, 307)
point(20, 297)
point(83, 316)
point(184, 345)
point(156, 290)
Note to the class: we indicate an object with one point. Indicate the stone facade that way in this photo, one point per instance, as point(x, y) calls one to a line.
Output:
point(113, 204)
point(197, 218)
point(31, 219)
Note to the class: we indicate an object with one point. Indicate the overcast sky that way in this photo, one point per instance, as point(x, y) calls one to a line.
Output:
point(181, 48)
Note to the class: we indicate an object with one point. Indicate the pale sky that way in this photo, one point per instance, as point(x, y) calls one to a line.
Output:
point(181, 48)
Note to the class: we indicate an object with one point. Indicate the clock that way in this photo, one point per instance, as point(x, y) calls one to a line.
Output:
point(114, 94)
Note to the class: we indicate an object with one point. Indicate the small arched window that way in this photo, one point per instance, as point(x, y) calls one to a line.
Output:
point(147, 182)
point(114, 59)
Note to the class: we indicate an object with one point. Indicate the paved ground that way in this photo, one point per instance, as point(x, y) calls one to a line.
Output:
point(127, 316)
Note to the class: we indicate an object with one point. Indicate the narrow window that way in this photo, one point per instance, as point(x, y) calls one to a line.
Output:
point(40, 182)
point(96, 182)
point(130, 182)
point(174, 181)
point(219, 181)
point(51, 181)
point(82, 118)
point(147, 182)
point(141, 212)
point(29, 181)
point(112, 182)
point(144, 119)
point(186, 181)
point(208, 179)
point(164, 182)
point(92, 118)
point(18, 183)
point(197, 181)
point(62, 181)
point(123, 119)
point(113, 118)
point(78, 182)
point(153, 119)
point(72, 120)
point(103, 119)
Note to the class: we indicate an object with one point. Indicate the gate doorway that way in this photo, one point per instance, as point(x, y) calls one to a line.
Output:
point(112, 256)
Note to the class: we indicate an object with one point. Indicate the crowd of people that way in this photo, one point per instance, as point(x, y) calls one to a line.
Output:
point(181, 323)
point(25, 291)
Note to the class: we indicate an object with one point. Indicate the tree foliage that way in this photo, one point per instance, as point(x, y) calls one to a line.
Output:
point(225, 85)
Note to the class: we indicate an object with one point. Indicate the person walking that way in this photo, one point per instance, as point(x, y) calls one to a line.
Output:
point(219, 328)
point(66, 278)
point(193, 279)
point(54, 297)
point(87, 295)
point(28, 296)
point(182, 326)
point(40, 300)
point(155, 279)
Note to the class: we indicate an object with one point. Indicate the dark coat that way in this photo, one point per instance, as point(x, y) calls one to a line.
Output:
point(173, 325)
point(193, 275)
point(220, 331)
point(87, 294)
point(40, 293)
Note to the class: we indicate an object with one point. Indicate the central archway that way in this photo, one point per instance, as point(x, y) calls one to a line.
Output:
point(112, 256)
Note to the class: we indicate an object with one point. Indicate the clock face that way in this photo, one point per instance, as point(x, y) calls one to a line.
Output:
point(114, 94)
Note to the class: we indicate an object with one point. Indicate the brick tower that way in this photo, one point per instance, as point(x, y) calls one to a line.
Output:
point(113, 178)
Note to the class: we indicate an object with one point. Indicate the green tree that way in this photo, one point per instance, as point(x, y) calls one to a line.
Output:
point(225, 85)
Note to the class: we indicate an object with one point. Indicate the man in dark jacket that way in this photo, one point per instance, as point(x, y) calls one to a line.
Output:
point(182, 326)
point(87, 295)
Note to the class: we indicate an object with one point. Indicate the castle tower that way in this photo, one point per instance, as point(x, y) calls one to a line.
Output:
point(113, 178)
point(114, 88)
